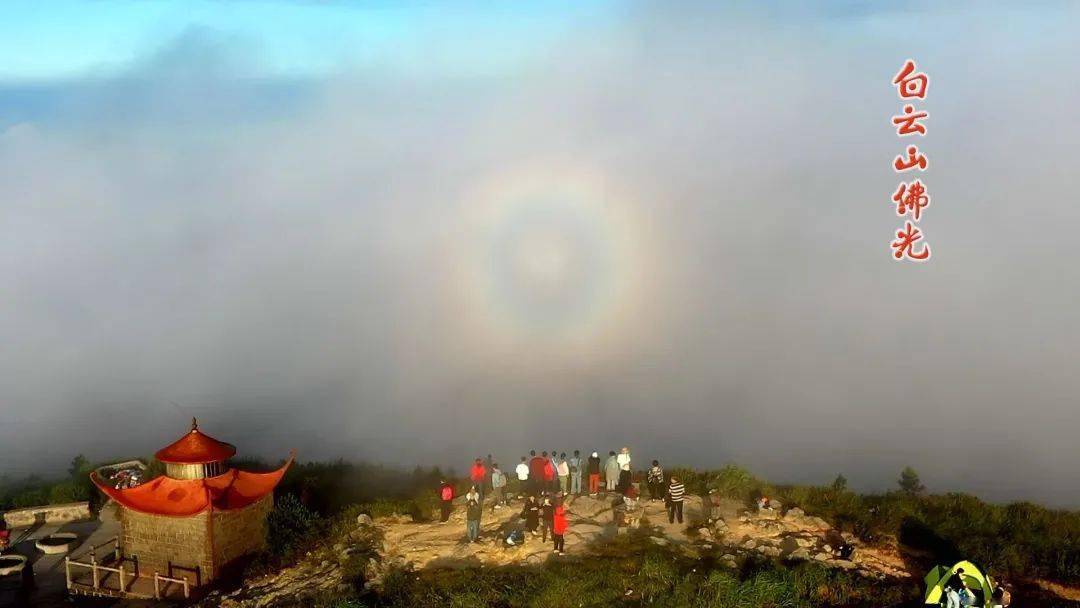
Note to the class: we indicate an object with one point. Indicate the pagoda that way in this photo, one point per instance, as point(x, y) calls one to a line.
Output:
point(200, 516)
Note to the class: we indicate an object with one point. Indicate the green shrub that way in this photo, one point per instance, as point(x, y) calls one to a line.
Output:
point(30, 498)
point(289, 526)
point(68, 491)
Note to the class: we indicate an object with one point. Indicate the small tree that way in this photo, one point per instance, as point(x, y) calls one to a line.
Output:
point(910, 483)
point(839, 484)
point(79, 465)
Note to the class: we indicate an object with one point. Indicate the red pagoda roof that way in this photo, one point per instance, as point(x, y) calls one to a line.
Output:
point(163, 495)
point(195, 447)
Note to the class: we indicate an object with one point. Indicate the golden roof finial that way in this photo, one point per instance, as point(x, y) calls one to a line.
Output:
point(194, 424)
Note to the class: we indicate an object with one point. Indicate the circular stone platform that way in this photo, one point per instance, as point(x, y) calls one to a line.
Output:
point(11, 564)
point(56, 543)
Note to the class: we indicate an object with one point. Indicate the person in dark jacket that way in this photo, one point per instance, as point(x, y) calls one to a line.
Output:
point(656, 481)
point(473, 513)
point(547, 512)
point(446, 500)
point(489, 464)
point(594, 474)
point(531, 513)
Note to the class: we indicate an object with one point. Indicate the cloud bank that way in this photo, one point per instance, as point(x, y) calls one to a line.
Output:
point(667, 230)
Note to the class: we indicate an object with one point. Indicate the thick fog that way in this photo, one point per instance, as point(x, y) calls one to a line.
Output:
point(661, 228)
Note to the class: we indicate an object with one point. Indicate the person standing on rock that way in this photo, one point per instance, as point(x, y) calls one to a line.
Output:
point(611, 472)
point(549, 475)
point(564, 474)
point(522, 471)
point(478, 475)
point(446, 500)
point(656, 481)
point(575, 473)
point(498, 483)
point(675, 494)
point(489, 462)
point(554, 485)
point(547, 514)
point(531, 513)
point(712, 505)
point(625, 475)
point(558, 528)
point(594, 474)
point(473, 512)
point(536, 472)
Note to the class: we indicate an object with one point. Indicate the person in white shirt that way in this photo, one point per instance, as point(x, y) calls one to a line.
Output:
point(563, 469)
point(522, 471)
point(624, 469)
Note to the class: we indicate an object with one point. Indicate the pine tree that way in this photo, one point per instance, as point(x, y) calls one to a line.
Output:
point(839, 484)
point(910, 483)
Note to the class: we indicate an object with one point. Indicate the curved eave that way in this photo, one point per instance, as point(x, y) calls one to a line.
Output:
point(162, 495)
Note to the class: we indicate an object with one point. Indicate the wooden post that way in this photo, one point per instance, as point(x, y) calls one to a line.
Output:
point(67, 572)
point(121, 574)
point(157, 587)
point(187, 592)
point(116, 548)
point(93, 568)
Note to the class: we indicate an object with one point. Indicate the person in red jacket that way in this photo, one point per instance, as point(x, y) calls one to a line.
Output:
point(549, 474)
point(536, 472)
point(558, 528)
point(478, 475)
point(446, 500)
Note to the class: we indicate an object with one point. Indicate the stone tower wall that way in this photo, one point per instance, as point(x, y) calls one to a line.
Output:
point(240, 532)
point(157, 540)
point(187, 542)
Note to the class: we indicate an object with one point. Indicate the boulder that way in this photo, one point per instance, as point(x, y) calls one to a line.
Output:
point(789, 545)
point(799, 554)
point(364, 520)
point(769, 551)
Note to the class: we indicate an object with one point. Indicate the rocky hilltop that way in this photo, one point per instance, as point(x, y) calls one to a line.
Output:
point(373, 547)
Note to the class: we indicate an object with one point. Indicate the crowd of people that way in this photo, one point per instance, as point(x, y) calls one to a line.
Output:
point(542, 482)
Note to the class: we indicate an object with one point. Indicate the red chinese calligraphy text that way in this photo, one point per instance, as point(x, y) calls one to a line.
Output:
point(904, 245)
point(914, 159)
point(911, 198)
point(908, 122)
point(909, 83)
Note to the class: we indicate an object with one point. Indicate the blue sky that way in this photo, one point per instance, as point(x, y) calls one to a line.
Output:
point(66, 38)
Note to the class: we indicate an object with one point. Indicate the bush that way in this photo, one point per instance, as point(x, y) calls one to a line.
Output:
point(68, 491)
point(289, 526)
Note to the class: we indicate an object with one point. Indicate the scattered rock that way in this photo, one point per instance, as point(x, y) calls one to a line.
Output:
point(769, 551)
point(364, 520)
point(799, 554)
